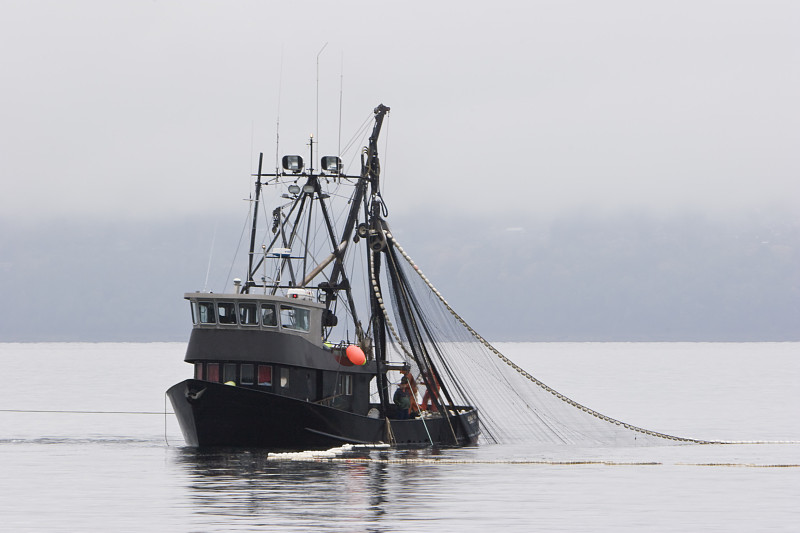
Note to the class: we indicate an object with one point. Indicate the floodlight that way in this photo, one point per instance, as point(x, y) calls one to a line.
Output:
point(293, 163)
point(331, 163)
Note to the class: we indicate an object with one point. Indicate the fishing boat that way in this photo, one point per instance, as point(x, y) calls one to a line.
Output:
point(284, 361)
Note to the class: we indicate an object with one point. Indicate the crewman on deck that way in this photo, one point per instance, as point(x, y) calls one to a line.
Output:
point(431, 395)
point(402, 399)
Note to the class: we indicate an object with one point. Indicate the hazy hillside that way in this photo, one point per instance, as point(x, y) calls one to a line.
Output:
point(631, 277)
point(578, 277)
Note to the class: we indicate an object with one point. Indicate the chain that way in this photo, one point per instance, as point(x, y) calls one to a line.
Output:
point(377, 290)
point(525, 374)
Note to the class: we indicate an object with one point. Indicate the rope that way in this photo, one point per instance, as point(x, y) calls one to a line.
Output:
point(377, 291)
point(87, 412)
point(528, 376)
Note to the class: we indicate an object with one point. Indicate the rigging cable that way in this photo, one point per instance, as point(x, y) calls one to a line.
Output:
point(239, 245)
point(377, 290)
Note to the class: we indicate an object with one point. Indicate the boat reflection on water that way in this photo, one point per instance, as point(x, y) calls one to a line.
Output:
point(366, 490)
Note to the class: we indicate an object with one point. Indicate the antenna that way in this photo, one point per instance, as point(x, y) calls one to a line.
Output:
point(278, 116)
point(210, 257)
point(341, 84)
point(316, 131)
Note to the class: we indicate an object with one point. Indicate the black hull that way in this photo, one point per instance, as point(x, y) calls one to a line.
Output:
point(217, 415)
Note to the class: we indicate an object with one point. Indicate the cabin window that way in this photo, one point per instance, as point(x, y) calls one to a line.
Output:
point(295, 318)
point(265, 375)
point(198, 371)
point(247, 314)
point(229, 372)
point(194, 312)
point(268, 317)
point(212, 370)
point(346, 384)
point(246, 377)
point(284, 377)
point(227, 312)
point(206, 313)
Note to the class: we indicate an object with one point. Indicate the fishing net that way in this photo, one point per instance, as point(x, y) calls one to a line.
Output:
point(514, 406)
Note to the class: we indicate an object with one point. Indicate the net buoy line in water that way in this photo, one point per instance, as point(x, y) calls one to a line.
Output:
point(320, 454)
point(337, 455)
point(79, 412)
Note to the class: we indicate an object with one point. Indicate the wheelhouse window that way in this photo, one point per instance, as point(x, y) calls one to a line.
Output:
point(295, 318)
point(194, 311)
point(268, 316)
point(265, 375)
point(227, 312)
point(212, 370)
point(247, 314)
point(246, 374)
point(229, 372)
point(198, 371)
point(206, 313)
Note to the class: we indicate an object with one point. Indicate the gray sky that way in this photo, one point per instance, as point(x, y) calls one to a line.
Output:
point(160, 108)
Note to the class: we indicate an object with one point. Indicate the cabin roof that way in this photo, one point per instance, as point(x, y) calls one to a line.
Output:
point(228, 297)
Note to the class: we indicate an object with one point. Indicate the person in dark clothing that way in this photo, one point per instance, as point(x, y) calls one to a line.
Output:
point(402, 399)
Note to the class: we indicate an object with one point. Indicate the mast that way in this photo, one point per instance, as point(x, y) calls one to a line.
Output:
point(250, 281)
point(366, 196)
point(370, 172)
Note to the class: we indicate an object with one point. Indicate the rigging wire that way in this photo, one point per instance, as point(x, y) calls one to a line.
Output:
point(81, 412)
point(358, 136)
point(239, 245)
point(210, 257)
point(385, 157)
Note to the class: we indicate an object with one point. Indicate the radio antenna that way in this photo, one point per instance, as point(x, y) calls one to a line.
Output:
point(316, 131)
point(278, 115)
point(341, 84)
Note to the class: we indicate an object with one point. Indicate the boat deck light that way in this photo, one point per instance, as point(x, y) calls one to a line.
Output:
point(331, 163)
point(293, 163)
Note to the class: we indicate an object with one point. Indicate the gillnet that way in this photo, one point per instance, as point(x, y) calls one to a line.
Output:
point(446, 356)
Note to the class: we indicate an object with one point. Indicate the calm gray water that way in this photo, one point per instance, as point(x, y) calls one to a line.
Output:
point(131, 472)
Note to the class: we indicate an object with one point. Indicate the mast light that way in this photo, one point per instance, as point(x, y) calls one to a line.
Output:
point(331, 163)
point(294, 188)
point(293, 163)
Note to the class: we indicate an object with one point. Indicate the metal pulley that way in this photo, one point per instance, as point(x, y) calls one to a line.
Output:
point(377, 240)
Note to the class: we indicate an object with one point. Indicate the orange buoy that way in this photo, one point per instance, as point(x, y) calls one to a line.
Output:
point(356, 355)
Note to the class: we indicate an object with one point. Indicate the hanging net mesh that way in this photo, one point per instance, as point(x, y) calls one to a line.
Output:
point(514, 406)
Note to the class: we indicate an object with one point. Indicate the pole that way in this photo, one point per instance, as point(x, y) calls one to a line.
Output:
point(250, 281)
